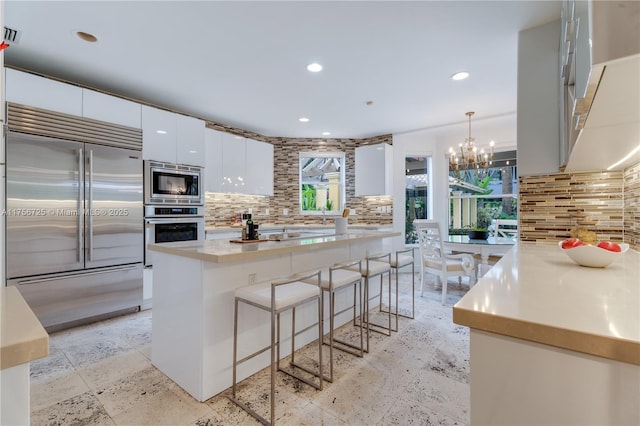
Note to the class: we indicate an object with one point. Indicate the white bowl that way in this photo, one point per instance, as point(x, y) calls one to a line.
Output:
point(593, 256)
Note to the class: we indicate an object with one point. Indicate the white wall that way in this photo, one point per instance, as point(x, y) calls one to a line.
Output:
point(539, 100)
point(436, 142)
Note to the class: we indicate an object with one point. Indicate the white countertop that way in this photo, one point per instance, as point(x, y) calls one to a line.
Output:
point(280, 227)
point(219, 251)
point(22, 337)
point(535, 292)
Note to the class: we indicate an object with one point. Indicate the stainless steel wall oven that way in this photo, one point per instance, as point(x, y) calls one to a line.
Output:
point(169, 224)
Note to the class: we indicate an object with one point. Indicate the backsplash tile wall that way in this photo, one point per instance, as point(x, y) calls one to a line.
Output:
point(631, 181)
point(605, 202)
point(221, 208)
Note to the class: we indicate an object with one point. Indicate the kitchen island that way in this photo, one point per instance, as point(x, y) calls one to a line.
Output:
point(553, 342)
point(22, 340)
point(193, 299)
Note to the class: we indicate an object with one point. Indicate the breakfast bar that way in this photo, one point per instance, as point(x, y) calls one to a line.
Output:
point(193, 294)
point(553, 342)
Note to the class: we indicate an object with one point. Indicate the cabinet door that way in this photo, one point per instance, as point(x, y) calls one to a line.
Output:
point(28, 89)
point(213, 161)
point(190, 148)
point(158, 135)
point(259, 166)
point(234, 163)
point(111, 109)
point(373, 170)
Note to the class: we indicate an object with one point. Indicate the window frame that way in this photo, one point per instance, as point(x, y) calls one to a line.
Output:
point(342, 184)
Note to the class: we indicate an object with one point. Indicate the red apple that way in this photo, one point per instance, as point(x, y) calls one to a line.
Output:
point(571, 243)
point(608, 245)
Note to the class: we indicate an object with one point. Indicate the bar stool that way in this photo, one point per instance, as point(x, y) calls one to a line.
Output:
point(277, 297)
point(334, 279)
point(400, 260)
point(374, 266)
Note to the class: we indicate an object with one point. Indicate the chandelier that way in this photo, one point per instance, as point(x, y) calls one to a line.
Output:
point(469, 158)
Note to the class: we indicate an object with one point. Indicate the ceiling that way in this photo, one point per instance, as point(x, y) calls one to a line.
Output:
point(243, 64)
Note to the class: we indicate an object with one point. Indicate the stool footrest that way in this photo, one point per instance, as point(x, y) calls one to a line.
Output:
point(348, 348)
point(303, 379)
point(400, 315)
point(249, 410)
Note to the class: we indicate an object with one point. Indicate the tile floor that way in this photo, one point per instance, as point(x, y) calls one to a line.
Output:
point(101, 374)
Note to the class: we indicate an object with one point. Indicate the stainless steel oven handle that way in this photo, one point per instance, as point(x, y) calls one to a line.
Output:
point(168, 221)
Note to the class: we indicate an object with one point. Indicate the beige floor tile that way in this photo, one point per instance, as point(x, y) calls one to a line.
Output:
point(59, 387)
point(80, 410)
point(441, 395)
point(137, 389)
point(101, 374)
point(163, 408)
point(408, 412)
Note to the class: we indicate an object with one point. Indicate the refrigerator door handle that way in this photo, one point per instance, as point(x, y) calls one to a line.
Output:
point(90, 208)
point(80, 224)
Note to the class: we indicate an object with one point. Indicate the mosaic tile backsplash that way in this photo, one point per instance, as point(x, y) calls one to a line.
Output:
point(605, 202)
point(221, 208)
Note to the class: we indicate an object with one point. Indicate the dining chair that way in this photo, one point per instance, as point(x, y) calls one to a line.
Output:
point(506, 228)
point(436, 260)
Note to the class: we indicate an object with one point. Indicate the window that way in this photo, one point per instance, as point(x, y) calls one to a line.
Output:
point(416, 194)
point(321, 182)
point(478, 196)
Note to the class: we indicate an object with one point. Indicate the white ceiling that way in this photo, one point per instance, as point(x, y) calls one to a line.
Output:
point(244, 63)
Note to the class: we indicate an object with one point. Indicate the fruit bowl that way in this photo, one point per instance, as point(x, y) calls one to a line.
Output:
point(593, 256)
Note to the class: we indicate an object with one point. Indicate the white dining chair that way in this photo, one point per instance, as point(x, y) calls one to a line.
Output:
point(506, 228)
point(436, 260)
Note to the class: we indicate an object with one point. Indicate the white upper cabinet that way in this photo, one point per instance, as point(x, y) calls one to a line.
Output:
point(234, 171)
point(235, 164)
point(172, 138)
point(103, 107)
point(213, 161)
point(373, 170)
point(158, 135)
point(32, 90)
point(190, 148)
point(259, 167)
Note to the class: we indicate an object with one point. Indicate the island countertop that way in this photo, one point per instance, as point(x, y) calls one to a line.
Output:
point(220, 251)
point(22, 337)
point(537, 293)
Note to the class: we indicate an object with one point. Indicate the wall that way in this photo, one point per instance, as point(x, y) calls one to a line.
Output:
point(221, 208)
point(605, 202)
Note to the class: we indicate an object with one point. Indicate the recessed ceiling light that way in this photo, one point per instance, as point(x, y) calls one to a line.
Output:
point(86, 36)
point(314, 67)
point(326, 133)
point(303, 119)
point(161, 132)
point(460, 75)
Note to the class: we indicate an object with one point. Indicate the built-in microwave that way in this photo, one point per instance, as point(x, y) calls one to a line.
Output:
point(166, 183)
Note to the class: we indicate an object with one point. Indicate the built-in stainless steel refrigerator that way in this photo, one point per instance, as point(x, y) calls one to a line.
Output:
point(74, 227)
